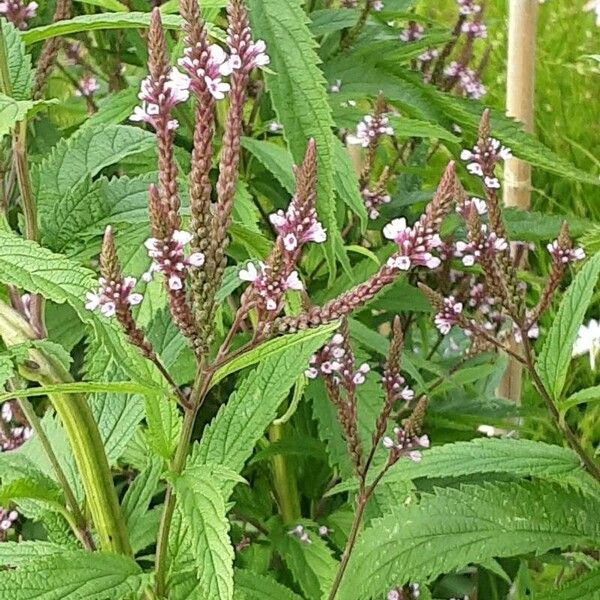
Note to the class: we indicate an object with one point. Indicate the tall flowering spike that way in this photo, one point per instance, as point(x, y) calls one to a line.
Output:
point(562, 252)
point(295, 228)
point(115, 296)
point(245, 56)
point(197, 56)
point(375, 198)
point(335, 363)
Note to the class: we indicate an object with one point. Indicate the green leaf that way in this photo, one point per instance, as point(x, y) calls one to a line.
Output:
point(164, 425)
point(139, 495)
point(11, 112)
point(554, 359)
point(312, 565)
point(346, 183)
point(254, 586)
point(15, 554)
point(299, 97)
point(586, 396)
point(478, 523)
point(6, 369)
point(19, 62)
point(19, 490)
point(274, 158)
point(82, 387)
point(108, 5)
point(405, 127)
point(272, 348)
point(203, 511)
point(531, 226)
point(329, 20)
point(95, 22)
point(585, 587)
point(520, 458)
point(239, 424)
point(73, 576)
point(62, 182)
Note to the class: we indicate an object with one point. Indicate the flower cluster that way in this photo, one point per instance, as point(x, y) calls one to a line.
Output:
point(377, 5)
point(474, 29)
point(370, 129)
point(405, 444)
point(17, 12)
point(334, 360)
point(412, 32)
point(482, 160)
point(169, 259)
point(488, 245)
point(269, 289)
point(298, 227)
point(295, 228)
point(414, 245)
point(112, 294)
point(395, 387)
point(7, 520)
point(429, 55)
point(14, 431)
point(159, 96)
point(565, 255)
point(373, 200)
point(246, 55)
point(476, 204)
point(449, 315)
point(300, 533)
point(208, 66)
point(87, 86)
point(468, 7)
point(467, 80)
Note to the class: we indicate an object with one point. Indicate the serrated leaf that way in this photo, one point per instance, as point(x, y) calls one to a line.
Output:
point(585, 396)
point(73, 576)
point(553, 361)
point(138, 496)
point(19, 62)
point(6, 369)
point(585, 587)
point(478, 523)
point(164, 425)
point(297, 90)
point(274, 158)
point(62, 182)
point(17, 554)
point(11, 112)
point(239, 424)
point(520, 458)
point(98, 21)
point(312, 565)
point(202, 508)
point(254, 586)
point(272, 348)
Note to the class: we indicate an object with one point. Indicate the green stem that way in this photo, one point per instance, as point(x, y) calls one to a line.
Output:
point(82, 432)
point(201, 386)
point(284, 482)
point(79, 525)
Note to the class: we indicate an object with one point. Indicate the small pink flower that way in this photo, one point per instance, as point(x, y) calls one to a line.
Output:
point(87, 86)
point(414, 245)
point(565, 255)
point(449, 316)
point(412, 32)
point(112, 294)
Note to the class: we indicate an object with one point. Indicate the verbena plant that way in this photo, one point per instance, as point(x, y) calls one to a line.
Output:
point(264, 381)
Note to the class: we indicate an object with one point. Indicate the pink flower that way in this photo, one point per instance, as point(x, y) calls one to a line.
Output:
point(405, 445)
point(412, 32)
point(208, 69)
point(414, 245)
point(18, 13)
point(373, 200)
point(476, 204)
point(370, 129)
point(482, 160)
point(111, 295)
point(471, 252)
point(467, 80)
point(474, 29)
point(297, 227)
point(468, 7)
point(565, 255)
point(159, 97)
point(168, 258)
point(449, 316)
point(87, 86)
point(269, 290)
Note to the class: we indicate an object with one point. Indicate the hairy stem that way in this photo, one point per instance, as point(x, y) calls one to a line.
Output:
point(82, 432)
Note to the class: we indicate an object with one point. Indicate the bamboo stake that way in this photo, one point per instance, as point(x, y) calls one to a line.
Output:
point(520, 90)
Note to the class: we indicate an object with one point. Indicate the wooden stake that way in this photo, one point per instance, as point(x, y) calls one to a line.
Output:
point(520, 89)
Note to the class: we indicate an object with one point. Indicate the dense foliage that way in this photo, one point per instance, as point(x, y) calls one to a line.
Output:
point(258, 290)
